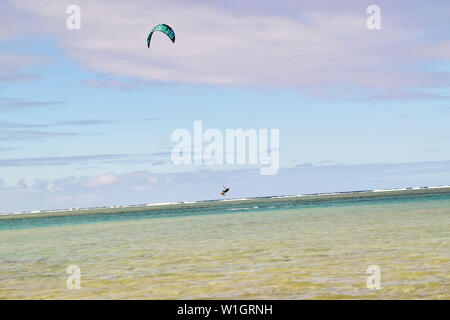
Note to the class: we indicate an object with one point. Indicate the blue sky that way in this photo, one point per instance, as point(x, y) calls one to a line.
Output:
point(86, 115)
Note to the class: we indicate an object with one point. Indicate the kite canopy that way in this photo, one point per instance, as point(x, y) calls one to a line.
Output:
point(164, 28)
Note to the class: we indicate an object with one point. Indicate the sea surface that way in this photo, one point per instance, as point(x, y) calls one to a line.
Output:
point(264, 250)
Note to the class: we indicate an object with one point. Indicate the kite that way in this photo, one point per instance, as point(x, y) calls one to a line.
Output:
point(164, 28)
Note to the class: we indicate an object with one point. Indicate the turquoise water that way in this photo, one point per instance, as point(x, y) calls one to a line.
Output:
point(266, 250)
point(224, 209)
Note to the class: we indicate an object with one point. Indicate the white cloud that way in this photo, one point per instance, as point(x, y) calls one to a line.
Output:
point(218, 46)
point(11, 66)
point(132, 179)
point(101, 181)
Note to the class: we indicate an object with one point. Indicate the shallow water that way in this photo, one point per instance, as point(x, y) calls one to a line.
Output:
point(278, 251)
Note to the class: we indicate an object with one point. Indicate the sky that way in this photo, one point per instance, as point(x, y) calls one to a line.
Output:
point(86, 115)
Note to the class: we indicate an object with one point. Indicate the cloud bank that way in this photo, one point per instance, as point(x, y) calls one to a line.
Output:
point(143, 187)
point(304, 47)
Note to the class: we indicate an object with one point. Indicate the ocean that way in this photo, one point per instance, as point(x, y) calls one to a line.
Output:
point(317, 247)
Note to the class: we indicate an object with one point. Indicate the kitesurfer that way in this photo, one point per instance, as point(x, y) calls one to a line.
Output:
point(224, 191)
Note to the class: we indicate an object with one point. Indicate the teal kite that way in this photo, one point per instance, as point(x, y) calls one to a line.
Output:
point(164, 28)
